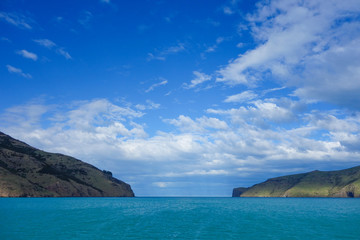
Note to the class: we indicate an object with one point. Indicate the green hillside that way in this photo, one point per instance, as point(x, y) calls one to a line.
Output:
point(342, 183)
point(28, 172)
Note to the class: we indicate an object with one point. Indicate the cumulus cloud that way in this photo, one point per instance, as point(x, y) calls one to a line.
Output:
point(260, 113)
point(311, 45)
point(18, 71)
point(245, 143)
point(27, 54)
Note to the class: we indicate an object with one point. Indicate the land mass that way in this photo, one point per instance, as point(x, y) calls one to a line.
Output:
point(342, 183)
point(29, 172)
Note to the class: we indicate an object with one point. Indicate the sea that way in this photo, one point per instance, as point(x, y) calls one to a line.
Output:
point(179, 218)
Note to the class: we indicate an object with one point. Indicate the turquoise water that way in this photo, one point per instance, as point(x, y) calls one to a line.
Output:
point(179, 218)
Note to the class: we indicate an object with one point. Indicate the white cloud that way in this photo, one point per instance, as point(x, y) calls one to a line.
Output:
point(261, 114)
point(155, 85)
point(27, 54)
point(186, 124)
point(45, 43)
point(18, 71)
point(149, 105)
point(153, 57)
point(51, 45)
point(174, 49)
point(17, 20)
point(228, 10)
point(235, 143)
point(63, 53)
point(199, 79)
point(241, 97)
point(86, 115)
point(5, 39)
point(311, 45)
point(85, 18)
point(161, 184)
point(161, 55)
point(231, 7)
point(213, 48)
point(26, 116)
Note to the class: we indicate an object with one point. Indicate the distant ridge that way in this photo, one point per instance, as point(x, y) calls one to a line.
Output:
point(28, 172)
point(342, 183)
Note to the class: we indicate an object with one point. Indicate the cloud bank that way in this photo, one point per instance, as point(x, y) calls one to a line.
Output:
point(249, 142)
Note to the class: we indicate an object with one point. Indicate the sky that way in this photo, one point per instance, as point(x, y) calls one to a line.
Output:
point(185, 98)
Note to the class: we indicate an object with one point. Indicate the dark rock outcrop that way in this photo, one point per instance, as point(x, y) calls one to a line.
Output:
point(238, 191)
point(28, 172)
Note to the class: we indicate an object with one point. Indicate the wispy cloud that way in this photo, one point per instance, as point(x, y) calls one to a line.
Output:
point(174, 49)
point(149, 105)
point(199, 79)
point(63, 53)
point(142, 28)
point(155, 85)
point(227, 10)
point(27, 54)
point(164, 53)
point(153, 57)
point(45, 43)
point(215, 46)
point(85, 18)
point(51, 45)
point(231, 7)
point(241, 97)
point(18, 71)
point(186, 124)
point(17, 20)
point(5, 39)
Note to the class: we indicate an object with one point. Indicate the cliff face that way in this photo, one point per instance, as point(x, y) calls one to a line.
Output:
point(343, 183)
point(28, 172)
point(238, 191)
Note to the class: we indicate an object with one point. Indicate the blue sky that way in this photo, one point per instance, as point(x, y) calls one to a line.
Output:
point(185, 98)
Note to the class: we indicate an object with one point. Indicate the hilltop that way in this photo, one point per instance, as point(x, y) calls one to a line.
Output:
point(29, 172)
point(342, 183)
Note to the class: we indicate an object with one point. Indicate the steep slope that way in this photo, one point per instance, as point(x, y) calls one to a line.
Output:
point(342, 183)
point(28, 172)
point(238, 191)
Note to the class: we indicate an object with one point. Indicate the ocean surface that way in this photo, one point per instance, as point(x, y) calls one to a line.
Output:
point(179, 218)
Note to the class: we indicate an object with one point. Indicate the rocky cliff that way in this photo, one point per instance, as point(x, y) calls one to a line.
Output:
point(342, 183)
point(28, 172)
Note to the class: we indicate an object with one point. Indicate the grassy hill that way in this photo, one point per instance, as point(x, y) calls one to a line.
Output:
point(28, 172)
point(342, 183)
